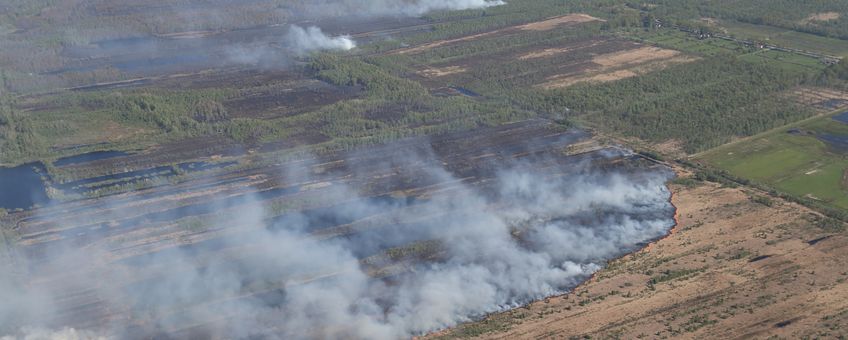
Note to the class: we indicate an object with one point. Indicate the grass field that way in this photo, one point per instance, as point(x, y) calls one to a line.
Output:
point(798, 164)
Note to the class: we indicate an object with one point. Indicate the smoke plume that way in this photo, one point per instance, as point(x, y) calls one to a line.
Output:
point(303, 41)
point(490, 246)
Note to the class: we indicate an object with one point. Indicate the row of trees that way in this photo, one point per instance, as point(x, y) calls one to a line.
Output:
point(18, 136)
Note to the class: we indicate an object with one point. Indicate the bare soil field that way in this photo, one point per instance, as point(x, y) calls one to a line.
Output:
point(731, 269)
point(620, 65)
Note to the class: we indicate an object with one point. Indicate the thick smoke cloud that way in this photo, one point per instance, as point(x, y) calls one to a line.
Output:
point(305, 40)
point(525, 236)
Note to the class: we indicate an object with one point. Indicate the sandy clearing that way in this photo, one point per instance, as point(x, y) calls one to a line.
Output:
point(435, 72)
point(639, 55)
point(548, 52)
point(549, 24)
point(824, 16)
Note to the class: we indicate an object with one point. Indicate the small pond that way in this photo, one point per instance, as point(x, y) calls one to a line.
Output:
point(22, 187)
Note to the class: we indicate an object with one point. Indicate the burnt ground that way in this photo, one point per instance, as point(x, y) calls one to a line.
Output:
point(283, 100)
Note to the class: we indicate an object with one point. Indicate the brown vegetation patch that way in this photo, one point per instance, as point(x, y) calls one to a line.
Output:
point(673, 147)
point(735, 268)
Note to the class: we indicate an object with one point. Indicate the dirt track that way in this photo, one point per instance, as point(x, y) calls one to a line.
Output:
point(735, 269)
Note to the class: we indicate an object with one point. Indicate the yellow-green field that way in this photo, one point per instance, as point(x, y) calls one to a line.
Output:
point(799, 164)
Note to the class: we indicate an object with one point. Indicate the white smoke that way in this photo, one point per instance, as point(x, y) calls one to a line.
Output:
point(422, 7)
point(31, 333)
point(394, 7)
point(528, 235)
point(303, 41)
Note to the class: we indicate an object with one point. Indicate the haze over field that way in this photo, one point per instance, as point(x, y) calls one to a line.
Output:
point(393, 7)
point(525, 238)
